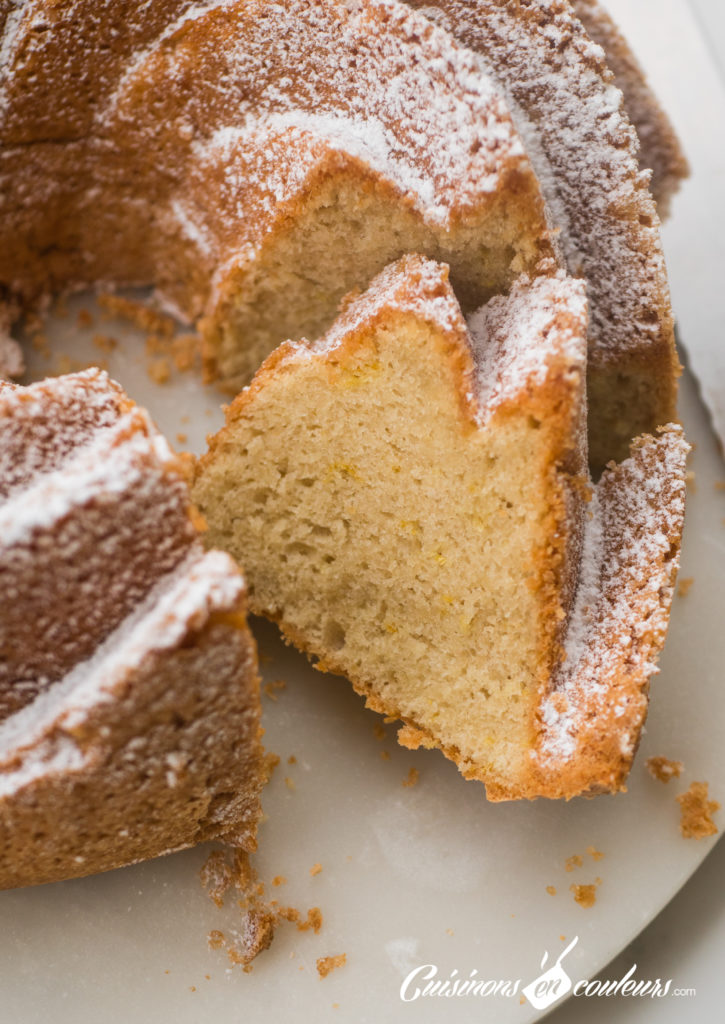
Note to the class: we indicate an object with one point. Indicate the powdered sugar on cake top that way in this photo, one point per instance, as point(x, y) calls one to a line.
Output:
point(584, 151)
point(516, 337)
point(372, 79)
point(40, 737)
point(619, 619)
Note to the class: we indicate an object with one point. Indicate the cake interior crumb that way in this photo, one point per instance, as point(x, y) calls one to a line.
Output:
point(663, 769)
point(696, 811)
point(412, 777)
point(326, 964)
point(585, 895)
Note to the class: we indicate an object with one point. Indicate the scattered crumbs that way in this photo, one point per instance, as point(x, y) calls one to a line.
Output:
point(207, 977)
point(335, 1006)
point(575, 861)
point(563, 938)
point(522, 1000)
point(289, 783)
point(186, 418)
point(33, 322)
point(412, 777)
point(221, 870)
point(449, 931)
point(104, 342)
point(313, 921)
point(662, 769)
point(325, 964)
point(720, 485)
point(184, 351)
point(585, 895)
point(292, 759)
point(594, 853)
point(181, 437)
point(217, 876)
point(551, 889)
point(696, 812)
point(137, 313)
point(167, 972)
point(349, 857)
point(85, 318)
point(159, 370)
point(255, 935)
point(684, 586)
point(316, 868)
point(690, 481)
point(385, 755)
point(272, 762)
point(379, 732)
point(271, 688)
point(39, 343)
point(290, 914)
point(192, 988)
point(279, 880)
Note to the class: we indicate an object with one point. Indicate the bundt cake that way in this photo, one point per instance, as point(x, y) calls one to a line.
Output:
point(255, 161)
point(129, 698)
point(411, 500)
point(659, 148)
point(234, 151)
point(584, 150)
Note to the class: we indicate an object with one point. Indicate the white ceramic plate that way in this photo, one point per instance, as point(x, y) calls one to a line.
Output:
point(430, 874)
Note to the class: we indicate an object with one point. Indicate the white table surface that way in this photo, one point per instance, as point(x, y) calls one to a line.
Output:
point(686, 941)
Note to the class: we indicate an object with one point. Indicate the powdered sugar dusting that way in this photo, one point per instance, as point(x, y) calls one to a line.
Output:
point(619, 620)
point(39, 738)
point(414, 285)
point(516, 337)
point(371, 79)
point(98, 553)
point(567, 108)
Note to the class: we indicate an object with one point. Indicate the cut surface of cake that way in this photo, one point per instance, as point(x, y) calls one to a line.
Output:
point(255, 161)
point(129, 697)
point(584, 149)
point(411, 497)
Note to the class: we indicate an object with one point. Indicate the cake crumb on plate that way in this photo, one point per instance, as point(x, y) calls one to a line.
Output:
point(696, 812)
point(662, 769)
point(325, 964)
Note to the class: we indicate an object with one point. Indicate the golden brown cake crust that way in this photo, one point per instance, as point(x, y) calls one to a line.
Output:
point(660, 150)
point(603, 608)
point(246, 182)
point(129, 713)
point(584, 150)
point(420, 287)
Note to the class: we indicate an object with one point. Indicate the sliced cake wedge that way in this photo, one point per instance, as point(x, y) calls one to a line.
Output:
point(411, 500)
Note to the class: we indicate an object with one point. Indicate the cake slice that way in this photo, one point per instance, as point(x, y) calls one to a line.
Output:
point(411, 498)
point(129, 697)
